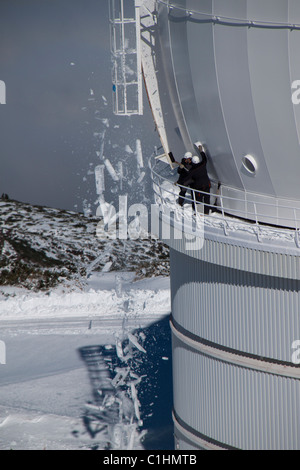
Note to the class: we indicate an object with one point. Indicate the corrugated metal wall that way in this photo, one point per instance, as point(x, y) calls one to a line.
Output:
point(252, 314)
point(235, 406)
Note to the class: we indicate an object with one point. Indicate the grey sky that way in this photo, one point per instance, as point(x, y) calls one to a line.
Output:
point(52, 54)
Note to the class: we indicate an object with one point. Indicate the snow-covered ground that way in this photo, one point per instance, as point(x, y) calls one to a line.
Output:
point(87, 366)
point(84, 322)
point(112, 295)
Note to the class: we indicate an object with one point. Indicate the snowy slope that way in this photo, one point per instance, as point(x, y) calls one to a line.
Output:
point(41, 247)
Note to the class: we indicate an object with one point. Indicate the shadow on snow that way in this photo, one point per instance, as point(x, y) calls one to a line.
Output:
point(132, 392)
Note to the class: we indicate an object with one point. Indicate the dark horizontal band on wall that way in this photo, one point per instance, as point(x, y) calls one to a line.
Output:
point(237, 357)
point(211, 443)
point(213, 272)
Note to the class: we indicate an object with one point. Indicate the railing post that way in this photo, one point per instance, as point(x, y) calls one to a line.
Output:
point(194, 201)
point(160, 192)
point(225, 223)
point(257, 224)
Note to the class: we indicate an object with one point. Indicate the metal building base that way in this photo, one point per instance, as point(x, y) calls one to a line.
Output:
point(233, 324)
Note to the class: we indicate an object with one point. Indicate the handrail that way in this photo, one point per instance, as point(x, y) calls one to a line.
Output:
point(221, 197)
point(232, 21)
point(227, 213)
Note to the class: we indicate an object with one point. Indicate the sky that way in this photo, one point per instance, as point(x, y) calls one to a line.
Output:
point(56, 64)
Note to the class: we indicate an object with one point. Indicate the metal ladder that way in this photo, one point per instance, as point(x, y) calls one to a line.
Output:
point(127, 83)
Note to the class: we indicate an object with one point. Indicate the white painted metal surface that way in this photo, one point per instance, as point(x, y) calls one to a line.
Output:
point(148, 43)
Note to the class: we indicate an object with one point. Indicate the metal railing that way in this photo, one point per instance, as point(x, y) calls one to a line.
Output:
point(166, 191)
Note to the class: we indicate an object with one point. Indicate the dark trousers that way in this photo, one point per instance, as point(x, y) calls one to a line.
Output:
point(181, 198)
point(202, 197)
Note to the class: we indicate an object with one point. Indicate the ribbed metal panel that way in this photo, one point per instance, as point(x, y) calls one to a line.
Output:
point(235, 406)
point(258, 259)
point(246, 300)
point(255, 314)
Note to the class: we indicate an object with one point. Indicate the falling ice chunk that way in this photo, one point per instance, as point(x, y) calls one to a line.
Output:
point(100, 154)
point(141, 177)
point(99, 176)
point(120, 377)
point(105, 121)
point(120, 170)
point(107, 267)
point(139, 153)
point(128, 149)
point(120, 173)
point(135, 342)
point(135, 402)
point(107, 211)
point(111, 170)
point(86, 208)
point(118, 281)
point(119, 349)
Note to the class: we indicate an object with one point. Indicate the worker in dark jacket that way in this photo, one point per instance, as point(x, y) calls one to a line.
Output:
point(198, 180)
point(184, 167)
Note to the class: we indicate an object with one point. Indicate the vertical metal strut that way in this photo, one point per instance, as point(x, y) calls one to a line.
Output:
point(125, 36)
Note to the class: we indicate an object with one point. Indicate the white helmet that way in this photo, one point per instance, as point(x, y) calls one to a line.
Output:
point(187, 155)
point(195, 159)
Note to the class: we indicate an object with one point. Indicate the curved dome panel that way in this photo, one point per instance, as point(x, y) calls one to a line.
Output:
point(225, 73)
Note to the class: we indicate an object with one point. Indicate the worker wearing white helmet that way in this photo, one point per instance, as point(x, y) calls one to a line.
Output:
point(188, 155)
point(198, 179)
point(183, 169)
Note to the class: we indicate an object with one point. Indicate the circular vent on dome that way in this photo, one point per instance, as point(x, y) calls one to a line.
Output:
point(250, 164)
